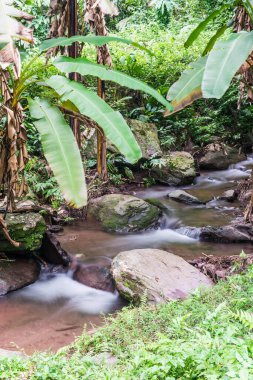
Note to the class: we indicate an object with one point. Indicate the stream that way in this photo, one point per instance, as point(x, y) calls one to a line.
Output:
point(52, 312)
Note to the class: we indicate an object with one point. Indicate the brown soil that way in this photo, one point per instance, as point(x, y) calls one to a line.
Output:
point(219, 268)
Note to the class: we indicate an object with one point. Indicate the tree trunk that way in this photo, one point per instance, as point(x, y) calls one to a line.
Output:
point(73, 53)
point(101, 139)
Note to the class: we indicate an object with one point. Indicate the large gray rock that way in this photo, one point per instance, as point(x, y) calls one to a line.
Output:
point(124, 213)
point(157, 274)
point(219, 156)
point(26, 228)
point(177, 168)
point(183, 197)
point(147, 138)
point(227, 234)
point(17, 273)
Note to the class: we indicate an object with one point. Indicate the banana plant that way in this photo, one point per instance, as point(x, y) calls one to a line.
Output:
point(59, 145)
point(212, 74)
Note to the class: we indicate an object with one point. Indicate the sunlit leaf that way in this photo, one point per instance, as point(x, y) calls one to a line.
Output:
point(90, 104)
point(61, 151)
point(224, 60)
point(94, 40)
point(188, 88)
point(85, 67)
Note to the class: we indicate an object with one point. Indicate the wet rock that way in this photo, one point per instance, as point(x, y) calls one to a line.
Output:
point(27, 229)
point(55, 228)
point(229, 196)
point(219, 156)
point(155, 274)
point(94, 276)
point(147, 138)
point(17, 273)
point(177, 168)
point(52, 252)
point(124, 213)
point(227, 234)
point(184, 197)
point(27, 206)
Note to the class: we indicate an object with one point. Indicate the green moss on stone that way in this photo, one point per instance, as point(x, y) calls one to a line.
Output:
point(27, 229)
point(124, 213)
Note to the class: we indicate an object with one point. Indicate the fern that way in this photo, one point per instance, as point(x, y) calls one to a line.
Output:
point(245, 317)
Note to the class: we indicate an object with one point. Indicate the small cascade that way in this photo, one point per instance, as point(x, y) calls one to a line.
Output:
point(191, 232)
point(73, 295)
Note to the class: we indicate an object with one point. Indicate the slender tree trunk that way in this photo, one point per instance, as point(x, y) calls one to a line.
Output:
point(101, 139)
point(73, 53)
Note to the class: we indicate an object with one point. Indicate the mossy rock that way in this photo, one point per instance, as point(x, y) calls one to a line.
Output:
point(124, 213)
point(147, 137)
point(177, 168)
point(27, 229)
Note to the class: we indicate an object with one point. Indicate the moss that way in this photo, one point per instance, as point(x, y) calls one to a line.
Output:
point(27, 229)
point(124, 213)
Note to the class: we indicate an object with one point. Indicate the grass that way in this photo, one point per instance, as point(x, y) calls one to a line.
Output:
point(208, 336)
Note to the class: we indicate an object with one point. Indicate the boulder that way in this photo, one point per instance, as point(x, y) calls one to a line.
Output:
point(184, 197)
point(52, 252)
point(26, 228)
point(17, 273)
point(227, 234)
point(219, 156)
point(177, 168)
point(157, 275)
point(94, 276)
point(229, 196)
point(124, 213)
point(147, 138)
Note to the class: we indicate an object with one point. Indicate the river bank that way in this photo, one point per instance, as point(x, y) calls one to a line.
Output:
point(206, 336)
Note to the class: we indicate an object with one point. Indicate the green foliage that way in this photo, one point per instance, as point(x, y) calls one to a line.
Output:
point(56, 139)
point(43, 186)
point(40, 23)
point(202, 26)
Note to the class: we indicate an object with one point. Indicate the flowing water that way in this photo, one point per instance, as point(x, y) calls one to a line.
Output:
point(51, 312)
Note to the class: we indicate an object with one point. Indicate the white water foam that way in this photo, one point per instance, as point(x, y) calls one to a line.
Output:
point(78, 297)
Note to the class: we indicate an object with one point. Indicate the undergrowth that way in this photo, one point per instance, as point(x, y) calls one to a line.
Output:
point(208, 336)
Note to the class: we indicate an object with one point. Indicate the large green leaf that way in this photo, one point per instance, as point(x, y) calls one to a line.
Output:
point(61, 151)
point(85, 67)
point(94, 40)
point(91, 105)
point(224, 61)
point(202, 26)
point(188, 87)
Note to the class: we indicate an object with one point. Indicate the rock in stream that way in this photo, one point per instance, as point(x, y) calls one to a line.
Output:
point(177, 168)
point(124, 213)
point(16, 273)
point(155, 274)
